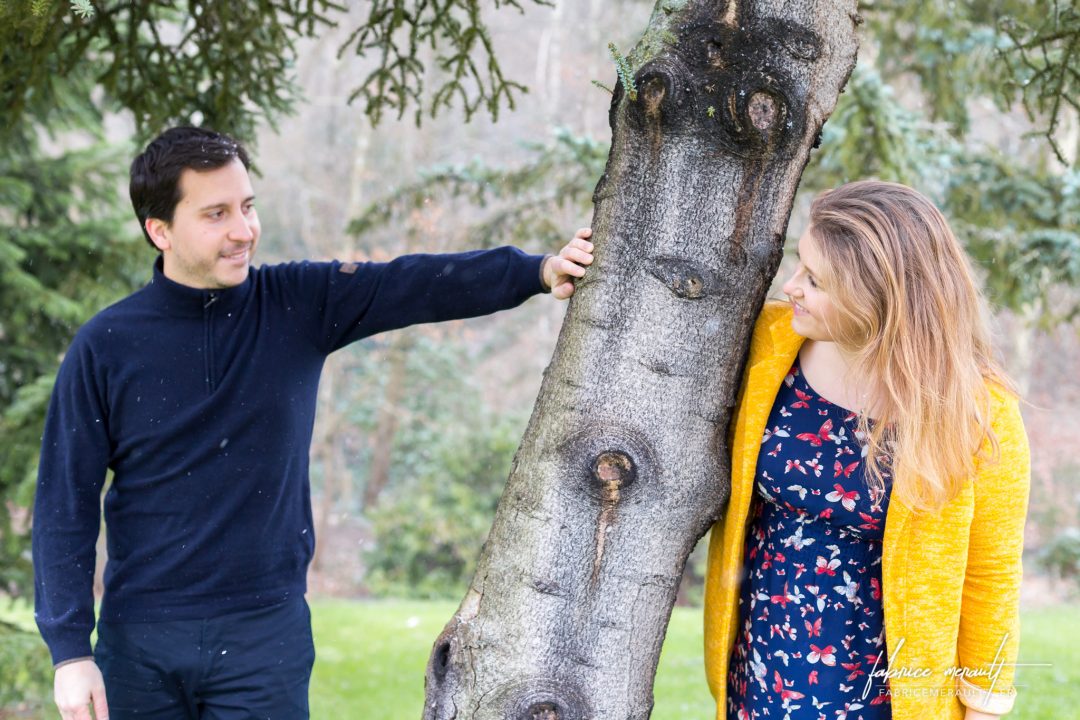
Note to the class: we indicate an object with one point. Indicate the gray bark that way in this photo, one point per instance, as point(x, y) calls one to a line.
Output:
point(624, 464)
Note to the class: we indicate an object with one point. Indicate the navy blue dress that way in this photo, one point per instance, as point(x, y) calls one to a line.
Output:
point(811, 626)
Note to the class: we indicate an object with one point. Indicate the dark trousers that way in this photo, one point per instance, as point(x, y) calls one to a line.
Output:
point(242, 666)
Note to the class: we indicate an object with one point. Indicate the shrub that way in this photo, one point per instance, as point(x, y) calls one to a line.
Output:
point(429, 530)
point(1060, 557)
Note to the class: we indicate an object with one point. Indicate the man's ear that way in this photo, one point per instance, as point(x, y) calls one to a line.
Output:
point(157, 229)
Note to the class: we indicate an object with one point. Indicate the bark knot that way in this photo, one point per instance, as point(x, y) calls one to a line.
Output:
point(613, 470)
point(762, 111)
point(686, 279)
point(542, 711)
point(714, 53)
point(653, 96)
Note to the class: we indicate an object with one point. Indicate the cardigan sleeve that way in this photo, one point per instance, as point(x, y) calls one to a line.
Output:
point(988, 640)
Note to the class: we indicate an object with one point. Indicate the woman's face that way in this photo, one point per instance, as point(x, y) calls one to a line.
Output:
point(815, 313)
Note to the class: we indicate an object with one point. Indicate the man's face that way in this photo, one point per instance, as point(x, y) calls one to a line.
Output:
point(212, 237)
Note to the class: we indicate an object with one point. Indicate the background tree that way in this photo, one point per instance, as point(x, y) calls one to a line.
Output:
point(65, 252)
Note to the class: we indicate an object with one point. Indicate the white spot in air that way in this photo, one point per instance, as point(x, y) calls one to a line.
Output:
point(412, 622)
point(224, 443)
point(224, 651)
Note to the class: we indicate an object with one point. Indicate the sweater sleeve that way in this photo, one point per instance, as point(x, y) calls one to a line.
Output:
point(990, 616)
point(71, 472)
point(350, 301)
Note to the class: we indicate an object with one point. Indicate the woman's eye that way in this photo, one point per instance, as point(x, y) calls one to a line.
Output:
point(813, 282)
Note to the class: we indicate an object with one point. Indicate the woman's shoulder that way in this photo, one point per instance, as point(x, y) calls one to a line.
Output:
point(772, 330)
point(772, 312)
point(772, 337)
point(775, 316)
point(1004, 403)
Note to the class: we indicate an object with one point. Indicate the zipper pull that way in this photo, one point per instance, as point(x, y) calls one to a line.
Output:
point(211, 301)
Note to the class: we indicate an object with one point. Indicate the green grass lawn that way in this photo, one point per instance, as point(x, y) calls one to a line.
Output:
point(371, 659)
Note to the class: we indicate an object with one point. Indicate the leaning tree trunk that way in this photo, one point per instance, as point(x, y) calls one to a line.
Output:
point(624, 464)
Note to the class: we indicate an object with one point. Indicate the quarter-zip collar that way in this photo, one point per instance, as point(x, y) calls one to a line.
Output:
point(184, 301)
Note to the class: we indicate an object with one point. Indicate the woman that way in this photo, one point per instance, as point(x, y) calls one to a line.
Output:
point(868, 563)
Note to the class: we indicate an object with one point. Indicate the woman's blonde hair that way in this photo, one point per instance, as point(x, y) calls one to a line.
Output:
point(913, 319)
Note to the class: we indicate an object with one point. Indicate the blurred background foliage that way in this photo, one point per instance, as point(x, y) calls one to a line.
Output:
point(428, 531)
point(972, 102)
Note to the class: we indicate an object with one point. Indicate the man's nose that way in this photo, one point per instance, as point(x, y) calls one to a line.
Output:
point(241, 229)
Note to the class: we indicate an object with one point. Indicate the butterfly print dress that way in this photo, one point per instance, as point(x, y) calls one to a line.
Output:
point(811, 624)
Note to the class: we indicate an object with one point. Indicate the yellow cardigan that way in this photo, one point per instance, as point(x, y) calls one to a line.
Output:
point(950, 580)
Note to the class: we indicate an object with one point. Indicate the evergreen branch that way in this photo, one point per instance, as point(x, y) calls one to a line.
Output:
point(232, 63)
point(394, 32)
point(82, 8)
point(626, 74)
point(1044, 62)
point(602, 86)
point(230, 66)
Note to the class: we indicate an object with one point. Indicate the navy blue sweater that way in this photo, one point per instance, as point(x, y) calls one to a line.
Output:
point(202, 403)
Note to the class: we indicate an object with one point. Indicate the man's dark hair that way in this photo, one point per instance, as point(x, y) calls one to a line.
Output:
point(155, 174)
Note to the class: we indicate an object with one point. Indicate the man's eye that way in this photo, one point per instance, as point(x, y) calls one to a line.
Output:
point(216, 215)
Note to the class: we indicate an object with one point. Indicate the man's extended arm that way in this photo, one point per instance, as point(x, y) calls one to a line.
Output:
point(350, 301)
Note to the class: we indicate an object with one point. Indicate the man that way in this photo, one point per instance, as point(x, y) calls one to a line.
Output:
point(198, 391)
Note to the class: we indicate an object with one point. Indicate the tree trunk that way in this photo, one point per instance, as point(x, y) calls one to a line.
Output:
point(624, 464)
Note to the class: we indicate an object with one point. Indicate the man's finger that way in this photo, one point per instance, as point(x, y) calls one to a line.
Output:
point(101, 706)
point(75, 712)
point(577, 255)
point(581, 243)
point(568, 267)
